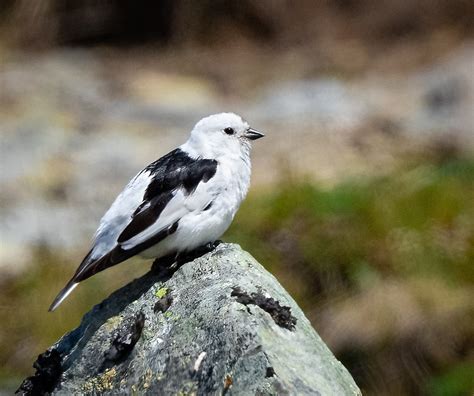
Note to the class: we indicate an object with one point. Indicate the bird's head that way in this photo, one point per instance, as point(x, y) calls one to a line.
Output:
point(223, 134)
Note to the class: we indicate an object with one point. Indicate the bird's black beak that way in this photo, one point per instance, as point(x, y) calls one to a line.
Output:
point(252, 134)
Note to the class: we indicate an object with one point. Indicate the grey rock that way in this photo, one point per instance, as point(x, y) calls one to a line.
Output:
point(220, 324)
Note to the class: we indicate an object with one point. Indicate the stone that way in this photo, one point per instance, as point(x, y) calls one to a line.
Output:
point(220, 324)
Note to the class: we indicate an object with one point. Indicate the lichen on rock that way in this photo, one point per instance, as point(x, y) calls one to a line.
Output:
point(220, 324)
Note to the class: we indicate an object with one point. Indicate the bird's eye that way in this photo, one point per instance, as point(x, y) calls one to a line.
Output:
point(229, 131)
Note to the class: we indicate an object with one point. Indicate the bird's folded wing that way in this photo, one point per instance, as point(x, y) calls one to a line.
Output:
point(160, 214)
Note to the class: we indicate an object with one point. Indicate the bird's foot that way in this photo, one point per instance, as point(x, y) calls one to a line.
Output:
point(198, 252)
point(170, 263)
point(209, 247)
point(164, 263)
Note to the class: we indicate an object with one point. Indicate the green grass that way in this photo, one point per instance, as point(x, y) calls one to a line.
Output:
point(418, 222)
point(458, 380)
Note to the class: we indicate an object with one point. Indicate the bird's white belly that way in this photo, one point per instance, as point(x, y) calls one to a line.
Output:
point(194, 230)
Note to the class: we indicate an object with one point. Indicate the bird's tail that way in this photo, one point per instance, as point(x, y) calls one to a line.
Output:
point(63, 294)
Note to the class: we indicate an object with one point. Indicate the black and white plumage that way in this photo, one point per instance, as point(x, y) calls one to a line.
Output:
point(178, 203)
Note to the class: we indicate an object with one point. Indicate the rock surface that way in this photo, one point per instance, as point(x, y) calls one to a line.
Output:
point(220, 324)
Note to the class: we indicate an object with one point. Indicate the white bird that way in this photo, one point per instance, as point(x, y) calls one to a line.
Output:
point(178, 203)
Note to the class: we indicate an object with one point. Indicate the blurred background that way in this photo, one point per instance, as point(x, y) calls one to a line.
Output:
point(362, 202)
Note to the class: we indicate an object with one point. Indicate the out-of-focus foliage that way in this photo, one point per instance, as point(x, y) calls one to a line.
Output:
point(209, 22)
point(457, 380)
point(418, 223)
